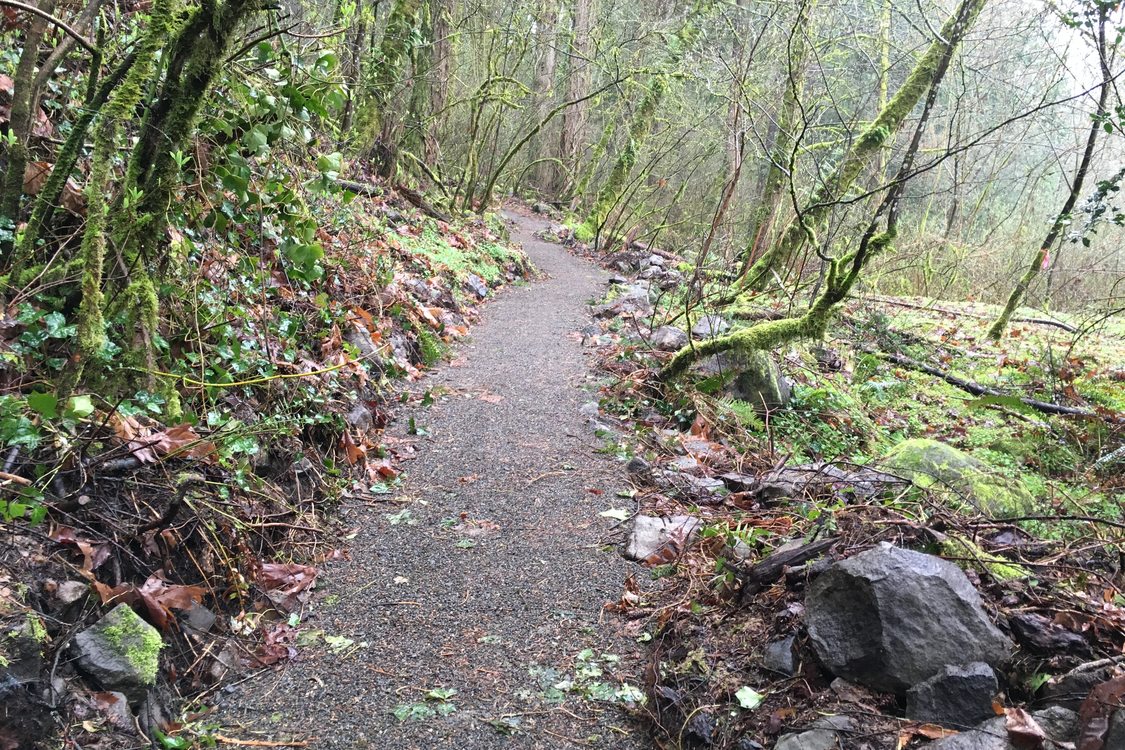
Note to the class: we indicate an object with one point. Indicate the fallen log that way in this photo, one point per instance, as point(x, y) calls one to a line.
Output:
point(977, 389)
point(961, 313)
point(413, 197)
point(765, 572)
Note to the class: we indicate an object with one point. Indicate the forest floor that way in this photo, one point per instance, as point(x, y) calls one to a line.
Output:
point(471, 612)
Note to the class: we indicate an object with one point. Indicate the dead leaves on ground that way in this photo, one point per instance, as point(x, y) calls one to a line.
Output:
point(286, 584)
point(149, 445)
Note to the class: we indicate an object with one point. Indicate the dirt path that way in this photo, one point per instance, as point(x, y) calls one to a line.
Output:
point(498, 611)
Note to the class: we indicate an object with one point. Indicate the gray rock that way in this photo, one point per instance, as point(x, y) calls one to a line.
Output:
point(889, 618)
point(709, 326)
point(750, 376)
point(957, 696)
point(632, 299)
point(1115, 735)
point(617, 279)
point(822, 734)
point(993, 734)
point(71, 593)
point(1070, 689)
point(637, 465)
point(199, 620)
point(121, 651)
point(651, 534)
point(668, 339)
point(359, 417)
point(655, 260)
point(358, 336)
point(476, 285)
point(114, 707)
point(778, 657)
point(1061, 724)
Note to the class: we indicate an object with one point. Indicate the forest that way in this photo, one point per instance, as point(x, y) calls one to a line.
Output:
point(457, 373)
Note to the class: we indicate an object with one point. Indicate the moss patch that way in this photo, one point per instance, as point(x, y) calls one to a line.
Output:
point(133, 639)
point(931, 463)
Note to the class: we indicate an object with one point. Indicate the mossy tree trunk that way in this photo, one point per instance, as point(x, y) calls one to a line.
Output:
point(782, 155)
point(843, 272)
point(866, 149)
point(1040, 258)
point(642, 122)
point(572, 134)
point(394, 52)
point(20, 121)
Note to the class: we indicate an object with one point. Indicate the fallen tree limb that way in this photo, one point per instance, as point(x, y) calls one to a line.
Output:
point(977, 389)
point(415, 198)
point(961, 313)
point(765, 572)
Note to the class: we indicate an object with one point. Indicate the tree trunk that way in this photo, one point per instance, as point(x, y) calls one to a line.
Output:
point(859, 156)
point(782, 157)
point(394, 51)
point(544, 90)
point(441, 12)
point(578, 82)
point(642, 122)
point(1040, 258)
point(843, 272)
point(20, 122)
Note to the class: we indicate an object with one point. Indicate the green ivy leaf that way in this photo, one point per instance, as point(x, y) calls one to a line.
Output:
point(43, 403)
point(79, 407)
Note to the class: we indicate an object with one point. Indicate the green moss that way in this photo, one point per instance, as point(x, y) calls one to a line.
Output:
point(968, 555)
point(931, 463)
point(134, 639)
point(430, 347)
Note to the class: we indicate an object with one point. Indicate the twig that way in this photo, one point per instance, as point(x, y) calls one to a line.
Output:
point(258, 743)
point(48, 17)
point(5, 476)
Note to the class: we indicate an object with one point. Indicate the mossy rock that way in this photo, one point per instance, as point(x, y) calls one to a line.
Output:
point(121, 651)
point(932, 463)
point(750, 376)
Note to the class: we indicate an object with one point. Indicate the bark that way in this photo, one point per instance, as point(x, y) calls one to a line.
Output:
point(572, 136)
point(441, 61)
point(544, 90)
point(782, 154)
point(394, 51)
point(1041, 256)
point(641, 124)
point(21, 119)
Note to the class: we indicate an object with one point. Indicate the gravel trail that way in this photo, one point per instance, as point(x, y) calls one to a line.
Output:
point(499, 602)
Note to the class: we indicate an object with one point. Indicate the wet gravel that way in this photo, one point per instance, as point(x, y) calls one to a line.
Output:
point(498, 602)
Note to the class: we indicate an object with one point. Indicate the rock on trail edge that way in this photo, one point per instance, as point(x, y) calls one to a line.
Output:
point(487, 574)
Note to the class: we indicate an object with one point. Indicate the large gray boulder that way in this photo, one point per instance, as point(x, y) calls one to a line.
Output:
point(121, 651)
point(957, 696)
point(890, 618)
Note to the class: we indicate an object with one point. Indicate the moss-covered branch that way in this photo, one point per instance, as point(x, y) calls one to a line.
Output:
point(864, 150)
